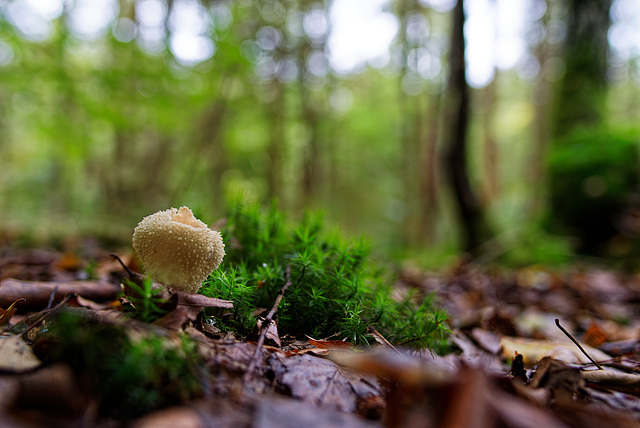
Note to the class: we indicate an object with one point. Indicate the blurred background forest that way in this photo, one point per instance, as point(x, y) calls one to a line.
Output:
point(365, 109)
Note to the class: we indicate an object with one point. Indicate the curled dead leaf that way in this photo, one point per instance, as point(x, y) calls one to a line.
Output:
point(535, 350)
point(329, 344)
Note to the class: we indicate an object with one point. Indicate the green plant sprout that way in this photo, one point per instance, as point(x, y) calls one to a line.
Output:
point(147, 300)
point(335, 291)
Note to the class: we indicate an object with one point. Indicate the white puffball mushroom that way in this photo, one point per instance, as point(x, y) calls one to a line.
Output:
point(177, 249)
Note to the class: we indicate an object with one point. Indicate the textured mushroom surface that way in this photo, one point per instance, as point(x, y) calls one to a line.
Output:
point(177, 249)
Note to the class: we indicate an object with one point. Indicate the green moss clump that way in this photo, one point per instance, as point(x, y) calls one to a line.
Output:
point(334, 291)
point(128, 377)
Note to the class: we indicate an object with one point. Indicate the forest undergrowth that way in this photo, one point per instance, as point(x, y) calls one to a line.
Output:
point(299, 322)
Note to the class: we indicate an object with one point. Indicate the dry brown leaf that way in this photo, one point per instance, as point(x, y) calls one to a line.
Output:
point(86, 303)
point(16, 356)
point(190, 299)
point(313, 351)
point(329, 344)
point(615, 379)
point(488, 340)
point(182, 417)
point(287, 413)
point(69, 262)
point(185, 307)
point(388, 364)
point(595, 336)
point(53, 389)
point(271, 334)
point(178, 317)
point(534, 350)
point(6, 314)
point(323, 382)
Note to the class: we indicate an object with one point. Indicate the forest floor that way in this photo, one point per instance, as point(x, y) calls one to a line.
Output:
point(510, 363)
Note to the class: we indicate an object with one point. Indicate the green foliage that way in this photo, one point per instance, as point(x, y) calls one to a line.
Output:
point(333, 290)
point(129, 377)
point(147, 300)
point(593, 173)
point(529, 245)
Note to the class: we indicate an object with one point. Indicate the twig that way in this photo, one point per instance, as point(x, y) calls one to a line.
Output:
point(51, 297)
point(44, 314)
point(381, 339)
point(266, 323)
point(578, 345)
point(131, 273)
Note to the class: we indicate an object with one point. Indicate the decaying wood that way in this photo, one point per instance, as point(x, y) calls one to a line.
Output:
point(38, 293)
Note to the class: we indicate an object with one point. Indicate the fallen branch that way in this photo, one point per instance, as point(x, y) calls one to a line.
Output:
point(266, 323)
point(37, 294)
point(40, 317)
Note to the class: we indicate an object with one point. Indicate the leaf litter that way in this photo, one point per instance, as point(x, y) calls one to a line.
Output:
point(508, 364)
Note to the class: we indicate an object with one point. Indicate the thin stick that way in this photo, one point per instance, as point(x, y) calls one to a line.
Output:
point(381, 339)
point(51, 297)
point(131, 273)
point(577, 344)
point(265, 325)
point(47, 312)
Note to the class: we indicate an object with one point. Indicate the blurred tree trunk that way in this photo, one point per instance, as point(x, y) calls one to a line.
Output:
point(428, 171)
point(313, 108)
point(410, 130)
point(490, 161)
point(592, 168)
point(418, 128)
point(581, 93)
point(542, 92)
point(311, 167)
point(475, 230)
point(208, 152)
point(275, 113)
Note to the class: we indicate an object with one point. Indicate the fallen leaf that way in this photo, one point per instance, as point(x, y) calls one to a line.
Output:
point(16, 356)
point(283, 413)
point(53, 390)
point(489, 341)
point(621, 347)
point(185, 307)
point(190, 299)
point(323, 382)
point(6, 314)
point(594, 335)
point(182, 417)
point(615, 379)
point(563, 381)
point(329, 344)
point(69, 262)
point(272, 332)
point(178, 317)
point(393, 365)
point(313, 351)
point(535, 350)
point(198, 414)
point(86, 303)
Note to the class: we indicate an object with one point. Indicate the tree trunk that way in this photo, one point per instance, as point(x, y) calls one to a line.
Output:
point(581, 93)
point(275, 149)
point(474, 229)
point(592, 168)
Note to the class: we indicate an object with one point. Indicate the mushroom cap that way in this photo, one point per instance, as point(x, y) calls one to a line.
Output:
point(177, 249)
